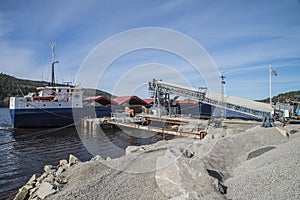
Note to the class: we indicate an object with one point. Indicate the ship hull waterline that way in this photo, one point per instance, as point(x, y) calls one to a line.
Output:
point(53, 117)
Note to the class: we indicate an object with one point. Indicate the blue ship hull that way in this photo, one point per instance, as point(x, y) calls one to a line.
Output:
point(53, 117)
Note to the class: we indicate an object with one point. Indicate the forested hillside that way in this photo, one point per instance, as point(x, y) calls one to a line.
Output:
point(283, 97)
point(12, 86)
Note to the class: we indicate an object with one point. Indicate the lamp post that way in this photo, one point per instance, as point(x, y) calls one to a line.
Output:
point(222, 94)
point(271, 72)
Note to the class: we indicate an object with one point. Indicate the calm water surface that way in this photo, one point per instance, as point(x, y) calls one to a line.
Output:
point(24, 152)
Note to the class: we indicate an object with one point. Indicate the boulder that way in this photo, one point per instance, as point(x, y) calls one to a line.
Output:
point(32, 179)
point(48, 168)
point(61, 180)
point(97, 158)
point(168, 175)
point(42, 177)
point(73, 160)
point(45, 190)
point(31, 182)
point(132, 149)
point(24, 191)
point(63, 162)
point(60, 170)
point(22, 194)
point(32, 192)
point(50, 179)
point(177, 176)
point(168, 180)
point(28, 186)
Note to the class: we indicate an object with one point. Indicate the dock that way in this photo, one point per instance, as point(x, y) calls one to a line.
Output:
point(163, 117)
point(170, 125)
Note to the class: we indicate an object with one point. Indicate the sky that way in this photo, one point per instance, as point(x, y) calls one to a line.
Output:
point(241, 38)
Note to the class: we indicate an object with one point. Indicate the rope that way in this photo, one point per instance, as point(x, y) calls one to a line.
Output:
point(39, 133)
point(48, 111)
point(44, 132)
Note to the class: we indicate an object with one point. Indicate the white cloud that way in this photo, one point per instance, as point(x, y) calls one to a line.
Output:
point(15, 61)
point(131, 82)
point(241, 36)
point(5, 27)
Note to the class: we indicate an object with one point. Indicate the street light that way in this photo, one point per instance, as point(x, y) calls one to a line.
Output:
point(222, 94)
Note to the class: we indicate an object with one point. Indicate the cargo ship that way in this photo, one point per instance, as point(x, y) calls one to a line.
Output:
point(49, 106)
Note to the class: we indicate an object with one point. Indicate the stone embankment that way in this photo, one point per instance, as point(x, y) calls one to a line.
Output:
point(50, 182)
point(244, 164)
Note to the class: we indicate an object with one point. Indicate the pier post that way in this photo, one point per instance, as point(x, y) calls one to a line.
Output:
point(85, 122)
point(95, 126)
point(90, 126)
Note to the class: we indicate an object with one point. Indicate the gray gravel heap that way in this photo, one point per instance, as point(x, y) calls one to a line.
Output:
point(272, 175)
point(217, 167)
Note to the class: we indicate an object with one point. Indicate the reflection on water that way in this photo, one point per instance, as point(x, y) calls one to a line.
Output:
point(24, 152)
point(112, 143)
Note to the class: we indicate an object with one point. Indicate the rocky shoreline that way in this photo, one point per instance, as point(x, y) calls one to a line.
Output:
point(50, 182)
point(225, 165)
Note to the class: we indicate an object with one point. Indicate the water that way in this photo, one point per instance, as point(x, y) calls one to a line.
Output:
point(24, 152)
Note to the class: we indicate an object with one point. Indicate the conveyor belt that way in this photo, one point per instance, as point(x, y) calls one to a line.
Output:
point(237, 104)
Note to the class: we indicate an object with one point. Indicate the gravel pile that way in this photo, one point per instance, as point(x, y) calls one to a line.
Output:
point(96, 180)
point(259, 163)
point(272, 175)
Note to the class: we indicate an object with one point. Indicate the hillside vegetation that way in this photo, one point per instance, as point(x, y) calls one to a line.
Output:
point(12, 86)
point(284, 97)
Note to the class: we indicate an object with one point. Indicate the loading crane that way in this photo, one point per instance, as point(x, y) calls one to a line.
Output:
point(162, 91)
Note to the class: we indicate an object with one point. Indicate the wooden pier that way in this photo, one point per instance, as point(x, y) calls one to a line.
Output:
point(92, 125)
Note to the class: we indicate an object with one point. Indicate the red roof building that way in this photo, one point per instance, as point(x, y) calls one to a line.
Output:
point(129, 100)
point(101, 100)
point(149, 101)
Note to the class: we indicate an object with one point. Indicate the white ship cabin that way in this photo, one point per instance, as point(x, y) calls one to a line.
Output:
point(54, 94)
point(49, 97)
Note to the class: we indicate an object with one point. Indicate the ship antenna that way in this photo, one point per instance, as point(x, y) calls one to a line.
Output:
point(53, 62)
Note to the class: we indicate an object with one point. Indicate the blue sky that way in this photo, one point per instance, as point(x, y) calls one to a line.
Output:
point(242, 37)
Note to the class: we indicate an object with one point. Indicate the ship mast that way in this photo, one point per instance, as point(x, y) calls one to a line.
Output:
point(53, 62)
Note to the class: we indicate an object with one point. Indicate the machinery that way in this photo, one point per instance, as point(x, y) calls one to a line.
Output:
point(162, 90)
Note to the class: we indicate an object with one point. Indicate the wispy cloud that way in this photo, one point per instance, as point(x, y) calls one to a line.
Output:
point(13, 60)
point(241, 37)
point(5, 27)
